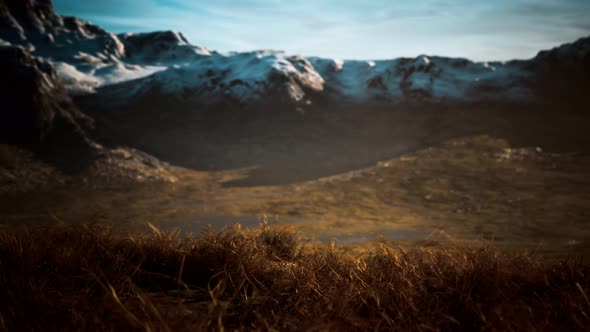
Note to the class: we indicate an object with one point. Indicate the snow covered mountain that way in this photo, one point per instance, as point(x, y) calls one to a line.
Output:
point(44, 137)
point(77, 96)
point(128, 67)
point(424, 78)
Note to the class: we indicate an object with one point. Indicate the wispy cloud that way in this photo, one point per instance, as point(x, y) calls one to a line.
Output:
point(483, 30)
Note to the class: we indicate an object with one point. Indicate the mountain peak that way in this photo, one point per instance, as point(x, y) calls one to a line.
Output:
point(136, 64)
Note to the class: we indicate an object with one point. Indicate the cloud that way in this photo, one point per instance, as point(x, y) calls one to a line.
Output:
point(479, 29)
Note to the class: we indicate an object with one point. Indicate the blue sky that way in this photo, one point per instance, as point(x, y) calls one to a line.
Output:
point(369, 29)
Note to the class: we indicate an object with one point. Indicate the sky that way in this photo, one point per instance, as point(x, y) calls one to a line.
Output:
point(345, 29)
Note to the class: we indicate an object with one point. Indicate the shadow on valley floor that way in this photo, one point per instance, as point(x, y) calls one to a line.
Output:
point(281, 146)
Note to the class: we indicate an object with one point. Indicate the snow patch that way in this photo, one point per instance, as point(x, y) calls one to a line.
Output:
point(240, 77)
point(338, 64)
point(89, 58)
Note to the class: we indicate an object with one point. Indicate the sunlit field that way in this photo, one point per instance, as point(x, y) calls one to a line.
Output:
point(466, 189)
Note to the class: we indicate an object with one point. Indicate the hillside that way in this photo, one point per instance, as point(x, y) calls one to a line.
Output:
point(45, 139)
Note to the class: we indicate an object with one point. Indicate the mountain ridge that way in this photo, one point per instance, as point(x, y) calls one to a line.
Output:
point(92, 60)
point(201, 109)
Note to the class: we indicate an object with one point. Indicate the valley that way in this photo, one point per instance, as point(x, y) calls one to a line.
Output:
point(463, 190)
point(148, 183)
point(135, 128)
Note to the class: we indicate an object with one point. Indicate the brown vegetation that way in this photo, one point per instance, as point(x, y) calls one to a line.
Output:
point(91, 278)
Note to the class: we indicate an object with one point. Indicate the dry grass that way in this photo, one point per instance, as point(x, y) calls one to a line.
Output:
point(90, 278)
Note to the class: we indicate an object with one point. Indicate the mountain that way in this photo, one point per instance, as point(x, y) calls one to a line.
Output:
point(44, 137)
point(129, 67)
point(198, 108)
point(563, 73)
point(37, 111)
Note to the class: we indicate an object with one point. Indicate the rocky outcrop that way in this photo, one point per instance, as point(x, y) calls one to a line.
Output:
point(160, 48)
point(34, 25)
point(21, 170)
point(44, 137)
point(35, 106)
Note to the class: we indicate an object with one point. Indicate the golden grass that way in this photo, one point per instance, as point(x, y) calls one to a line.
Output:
point(58, 278)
